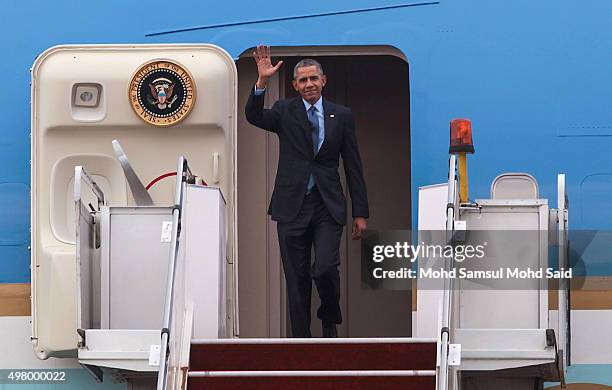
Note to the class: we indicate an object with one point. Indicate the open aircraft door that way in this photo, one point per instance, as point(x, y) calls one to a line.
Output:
point(160, 102)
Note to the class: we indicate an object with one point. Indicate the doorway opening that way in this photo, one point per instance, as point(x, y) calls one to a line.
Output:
point(373, 82)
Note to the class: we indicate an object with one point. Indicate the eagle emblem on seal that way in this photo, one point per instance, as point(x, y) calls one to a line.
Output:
point(161, 93)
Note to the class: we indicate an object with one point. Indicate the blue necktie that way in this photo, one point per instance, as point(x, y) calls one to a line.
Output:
point(314, 124)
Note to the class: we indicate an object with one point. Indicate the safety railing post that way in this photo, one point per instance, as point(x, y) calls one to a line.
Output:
point(182, 174)
point(445, 321)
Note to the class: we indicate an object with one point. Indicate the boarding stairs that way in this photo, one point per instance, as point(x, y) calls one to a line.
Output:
point(458, 357)
point(465, 352)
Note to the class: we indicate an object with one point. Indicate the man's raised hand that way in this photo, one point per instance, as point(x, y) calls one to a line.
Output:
point(265, 69)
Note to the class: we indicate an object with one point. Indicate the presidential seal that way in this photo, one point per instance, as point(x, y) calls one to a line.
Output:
point(162, 93)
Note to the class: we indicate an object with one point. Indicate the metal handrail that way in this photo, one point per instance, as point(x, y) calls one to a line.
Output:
point(563, 307)
point(445, 320)
point(182, 174)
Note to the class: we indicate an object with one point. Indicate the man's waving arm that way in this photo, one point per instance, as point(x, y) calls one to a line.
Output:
point(254, 110)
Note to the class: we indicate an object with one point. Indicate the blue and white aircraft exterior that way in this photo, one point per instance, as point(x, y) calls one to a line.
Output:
point(533, 77)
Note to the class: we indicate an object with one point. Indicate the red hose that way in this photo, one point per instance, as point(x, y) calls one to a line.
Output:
point(158, 178)
point(165, 175)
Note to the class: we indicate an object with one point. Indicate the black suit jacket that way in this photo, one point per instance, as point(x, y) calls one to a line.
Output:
point(287, 118)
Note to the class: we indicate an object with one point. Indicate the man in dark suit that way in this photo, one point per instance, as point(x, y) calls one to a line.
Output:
point(308, 202)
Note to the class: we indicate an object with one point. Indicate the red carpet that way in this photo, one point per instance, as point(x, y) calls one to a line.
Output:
point(354, 356)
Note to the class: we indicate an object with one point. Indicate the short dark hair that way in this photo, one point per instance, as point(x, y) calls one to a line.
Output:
point(304, 63)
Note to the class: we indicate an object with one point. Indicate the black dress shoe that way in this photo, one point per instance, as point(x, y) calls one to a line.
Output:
point(330, 331)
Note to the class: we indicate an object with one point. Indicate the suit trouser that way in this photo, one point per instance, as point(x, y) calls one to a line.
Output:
point(313, 226)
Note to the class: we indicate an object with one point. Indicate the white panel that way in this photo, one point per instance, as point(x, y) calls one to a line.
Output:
point(504, 309)
point(205, 247)
point(432, 207)
point(432, 217)
point(507, 309)
point(138, 267)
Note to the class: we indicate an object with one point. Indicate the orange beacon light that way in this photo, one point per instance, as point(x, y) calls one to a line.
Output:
point(461, 136)
point(461, 143)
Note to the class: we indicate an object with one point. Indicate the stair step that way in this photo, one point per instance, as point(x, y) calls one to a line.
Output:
point(312, 354)
point(314, 382)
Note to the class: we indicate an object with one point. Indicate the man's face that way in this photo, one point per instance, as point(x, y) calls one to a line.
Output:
point(309, 83)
